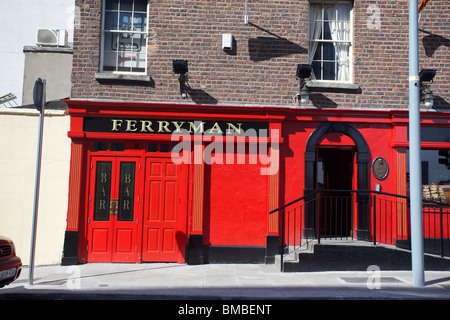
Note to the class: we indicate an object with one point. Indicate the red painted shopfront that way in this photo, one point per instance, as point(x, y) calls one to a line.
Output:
point(195, 183)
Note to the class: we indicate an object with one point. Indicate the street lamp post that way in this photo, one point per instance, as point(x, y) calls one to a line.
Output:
point(415, 177)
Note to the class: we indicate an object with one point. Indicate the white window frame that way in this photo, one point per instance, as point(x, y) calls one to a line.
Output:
point(102, 53)
point(349, 42)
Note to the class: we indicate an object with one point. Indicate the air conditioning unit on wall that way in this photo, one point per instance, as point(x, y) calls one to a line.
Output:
point(52, 37)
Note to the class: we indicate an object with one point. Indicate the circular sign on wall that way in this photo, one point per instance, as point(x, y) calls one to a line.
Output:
point(380, 168)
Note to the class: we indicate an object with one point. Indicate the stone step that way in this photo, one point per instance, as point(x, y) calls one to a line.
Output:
point(353, 255)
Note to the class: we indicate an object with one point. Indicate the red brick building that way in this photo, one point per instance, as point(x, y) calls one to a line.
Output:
point(250, 142)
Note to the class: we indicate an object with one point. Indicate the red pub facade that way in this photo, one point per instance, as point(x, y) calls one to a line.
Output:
point(170, 168)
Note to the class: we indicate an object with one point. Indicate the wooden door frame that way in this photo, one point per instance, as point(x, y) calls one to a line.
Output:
point(90, 190)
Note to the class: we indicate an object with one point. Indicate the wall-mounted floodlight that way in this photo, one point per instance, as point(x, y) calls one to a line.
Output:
point(303, 73)
point(180, 67)
point(426, 95)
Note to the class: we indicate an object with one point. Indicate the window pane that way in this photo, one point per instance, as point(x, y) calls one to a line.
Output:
point(328, 51)
point(123, 41)
point(126, 191)
point(327, 31)
point(117, 146)
point(112, 4)
point(317, 69)
point(126, 5)
point(343, 71)
point(138, 22)
point(343, 12)
point(100, 146)
point(329, 71)
point(102, 191)
point(163, 147)
point(330, 58)
point(125, 51)
point(140, 5)
point(435, 176)
point(125, 21)
point(111, 20)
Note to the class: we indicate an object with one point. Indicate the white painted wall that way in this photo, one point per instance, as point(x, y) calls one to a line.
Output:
point(18, 148)
point(19, 22)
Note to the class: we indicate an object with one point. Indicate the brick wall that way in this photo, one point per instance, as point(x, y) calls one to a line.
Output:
point(261, 70)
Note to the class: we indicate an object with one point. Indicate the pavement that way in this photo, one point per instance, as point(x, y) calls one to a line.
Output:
point(170, 281)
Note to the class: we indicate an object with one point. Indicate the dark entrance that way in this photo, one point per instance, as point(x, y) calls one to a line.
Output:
point(335, 172)
point(362, 182)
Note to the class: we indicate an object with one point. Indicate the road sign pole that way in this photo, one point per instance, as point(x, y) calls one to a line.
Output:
point(40, 105)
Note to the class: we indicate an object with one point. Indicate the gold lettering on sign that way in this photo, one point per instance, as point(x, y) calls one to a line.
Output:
point(200, 127)
point(163, 125)
point(217, 128)
point(177, 126)
point(127, 178)
point(117, 123)
point(103, 178)
point(146, 126)
point(131, 125)
point(102, 204)
point(237, 130)
point(126, 204)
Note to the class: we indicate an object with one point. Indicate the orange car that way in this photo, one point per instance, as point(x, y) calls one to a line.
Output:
point(10, 264)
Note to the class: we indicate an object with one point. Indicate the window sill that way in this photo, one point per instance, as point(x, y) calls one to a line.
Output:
point(121, 76)
point(319, 85)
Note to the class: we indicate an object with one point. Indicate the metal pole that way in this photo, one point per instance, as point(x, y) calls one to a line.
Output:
point(36, 190)
point(415, 176)
point(282, 241)
point(375, 220)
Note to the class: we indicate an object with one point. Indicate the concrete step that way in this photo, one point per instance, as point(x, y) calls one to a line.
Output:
point(353, 255)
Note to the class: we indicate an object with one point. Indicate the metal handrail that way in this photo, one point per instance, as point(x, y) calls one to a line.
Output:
point(373, 192)
point(355, 191)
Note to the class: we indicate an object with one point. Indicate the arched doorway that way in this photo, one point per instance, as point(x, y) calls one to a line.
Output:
point(362, 182)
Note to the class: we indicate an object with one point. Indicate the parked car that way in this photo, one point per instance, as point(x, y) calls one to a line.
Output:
point(10, 264)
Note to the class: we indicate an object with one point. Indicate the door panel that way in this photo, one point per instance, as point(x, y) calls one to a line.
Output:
point(100, 240)
point(164, 211)
point(113, 207)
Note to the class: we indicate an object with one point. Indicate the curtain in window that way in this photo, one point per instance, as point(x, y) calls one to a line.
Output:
point(315, 31)
point(339, 17)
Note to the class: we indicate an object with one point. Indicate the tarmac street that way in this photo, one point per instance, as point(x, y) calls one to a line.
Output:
point(170, 281)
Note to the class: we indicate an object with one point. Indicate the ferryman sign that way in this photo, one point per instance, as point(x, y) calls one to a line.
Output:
point(158, 126)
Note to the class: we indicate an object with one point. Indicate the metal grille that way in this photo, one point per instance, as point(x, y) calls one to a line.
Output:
point(5, 250)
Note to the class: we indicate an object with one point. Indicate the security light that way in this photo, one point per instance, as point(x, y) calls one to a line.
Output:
point(180, 66)
point(426, 95)
point(303, 73)
point(427, 74)
point(428, 100)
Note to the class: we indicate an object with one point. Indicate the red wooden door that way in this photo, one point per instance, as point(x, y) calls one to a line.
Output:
point(164, 231)
point(113, 210)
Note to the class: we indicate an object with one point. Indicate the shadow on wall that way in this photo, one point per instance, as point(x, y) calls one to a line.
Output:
point(268, 47)
point(432, 42)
